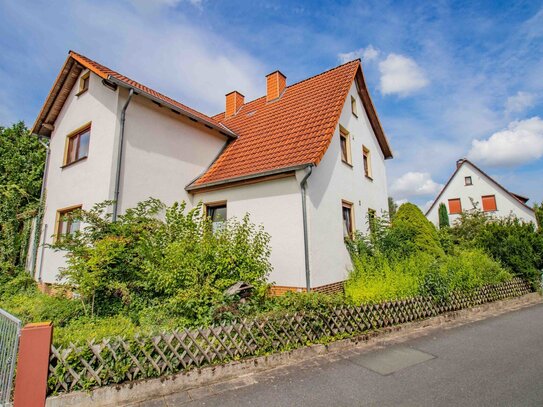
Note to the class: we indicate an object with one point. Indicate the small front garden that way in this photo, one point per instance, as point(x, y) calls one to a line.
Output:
point(161, 268)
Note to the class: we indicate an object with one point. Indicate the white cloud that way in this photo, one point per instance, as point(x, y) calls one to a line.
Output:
point(401, 75)
point(520, 143)
point(415, 184)
point(520, 102)
point(366, 54)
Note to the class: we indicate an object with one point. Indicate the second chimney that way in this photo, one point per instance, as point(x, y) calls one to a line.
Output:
point(234, 101)
point(276, 83)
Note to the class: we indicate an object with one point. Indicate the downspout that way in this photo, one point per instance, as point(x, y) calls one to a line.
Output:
point(37, 226)
point(119, 158)
point(303, 185)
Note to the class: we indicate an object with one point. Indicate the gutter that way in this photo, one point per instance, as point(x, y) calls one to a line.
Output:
point(303, 187)
point(119, 158)
point(220, 128)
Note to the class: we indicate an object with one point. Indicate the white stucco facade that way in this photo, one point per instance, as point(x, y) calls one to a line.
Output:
point(333, 181)
point(482, 185)
point(164, 152)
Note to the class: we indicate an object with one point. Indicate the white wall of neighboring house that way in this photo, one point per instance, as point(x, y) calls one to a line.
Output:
point(333, 181)
point(276, 205)
point(482, 186)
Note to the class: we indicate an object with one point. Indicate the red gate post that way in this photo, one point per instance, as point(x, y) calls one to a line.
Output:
point(33, 365)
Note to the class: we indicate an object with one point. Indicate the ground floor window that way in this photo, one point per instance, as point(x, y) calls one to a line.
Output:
point(66, 224)
point(216, 212)
point(348, 219)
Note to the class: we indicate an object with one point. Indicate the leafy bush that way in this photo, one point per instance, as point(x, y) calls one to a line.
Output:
point(515, 244)
point(178, 260)
point(412, 222)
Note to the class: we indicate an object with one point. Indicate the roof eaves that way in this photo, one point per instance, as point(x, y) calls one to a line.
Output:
point(192, 187)
point(219, 127)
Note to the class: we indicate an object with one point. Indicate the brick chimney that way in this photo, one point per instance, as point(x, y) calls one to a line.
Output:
point(460, 162)
point(276, 83)
point(234, 101)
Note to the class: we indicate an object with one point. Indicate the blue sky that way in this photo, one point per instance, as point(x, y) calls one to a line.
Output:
point(449, 79)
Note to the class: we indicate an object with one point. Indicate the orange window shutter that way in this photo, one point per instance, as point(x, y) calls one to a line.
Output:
point(489, 203)
point(455, 206)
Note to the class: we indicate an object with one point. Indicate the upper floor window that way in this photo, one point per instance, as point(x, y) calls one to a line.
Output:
point(66, 223)
point(216, 212)
point(348, 219)
point(345, 142)
point(489, 203)
point(77, 145)
point(353, 106)
point(468, 181)
point(367, 161)
point(455, 206)
point(84, 83)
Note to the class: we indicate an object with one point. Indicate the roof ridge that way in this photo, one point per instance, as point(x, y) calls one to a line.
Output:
point(298, 83)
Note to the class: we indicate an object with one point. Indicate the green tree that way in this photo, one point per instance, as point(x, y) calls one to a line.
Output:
point(538, 209)
point(443, 216)
point(21, 168)
point(392, 207)
point(411, 221)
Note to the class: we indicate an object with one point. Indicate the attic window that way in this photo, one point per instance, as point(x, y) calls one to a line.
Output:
point(84, 83)
point(468, 181)
point(353, 107)
point(345, 143)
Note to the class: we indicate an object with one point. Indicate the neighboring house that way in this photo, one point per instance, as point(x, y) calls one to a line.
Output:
point(471, 188)
point(307, 161)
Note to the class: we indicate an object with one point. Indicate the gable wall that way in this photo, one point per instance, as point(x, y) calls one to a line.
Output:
point(505, 203)
point(85, 182)
point(333, 180)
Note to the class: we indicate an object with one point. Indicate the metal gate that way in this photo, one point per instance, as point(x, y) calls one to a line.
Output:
point(10, 329)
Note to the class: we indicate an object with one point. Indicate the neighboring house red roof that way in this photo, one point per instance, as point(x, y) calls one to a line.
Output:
point(521, 199)
point(71, 71)
point(292, 131)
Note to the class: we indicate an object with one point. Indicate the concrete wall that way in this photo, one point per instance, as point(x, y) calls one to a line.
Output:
point(505, 203)
point(333, 180)
point(277, 206)
point(85, 182)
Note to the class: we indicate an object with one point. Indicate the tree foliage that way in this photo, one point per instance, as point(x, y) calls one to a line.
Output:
point(443, 216)
point(21, 169)
point(161, 257)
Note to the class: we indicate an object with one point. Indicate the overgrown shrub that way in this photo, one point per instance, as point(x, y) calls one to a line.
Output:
point(153, 254)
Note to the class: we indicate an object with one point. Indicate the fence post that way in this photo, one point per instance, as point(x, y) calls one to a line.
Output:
point(33, 365)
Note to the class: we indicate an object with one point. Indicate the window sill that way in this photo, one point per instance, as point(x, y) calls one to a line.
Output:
point(81, 92)
point(73, 162)
point(347, 163)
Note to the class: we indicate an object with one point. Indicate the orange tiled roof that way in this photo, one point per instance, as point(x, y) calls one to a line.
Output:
point(107, 73)
point(293, 130)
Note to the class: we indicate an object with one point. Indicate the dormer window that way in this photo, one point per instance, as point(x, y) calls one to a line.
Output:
point(84, 83)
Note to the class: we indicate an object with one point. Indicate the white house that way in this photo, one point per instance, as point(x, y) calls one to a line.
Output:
point(471, 188)
point(307, 161)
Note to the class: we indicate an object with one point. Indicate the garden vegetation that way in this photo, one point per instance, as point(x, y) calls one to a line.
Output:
point(161, 267)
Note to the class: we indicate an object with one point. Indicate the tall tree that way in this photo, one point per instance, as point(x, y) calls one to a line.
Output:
point(21, 169)
point(443, 216)
point(538, 209)
point(392, 207)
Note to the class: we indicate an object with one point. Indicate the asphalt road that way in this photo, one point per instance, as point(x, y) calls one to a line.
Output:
point(494, 362)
